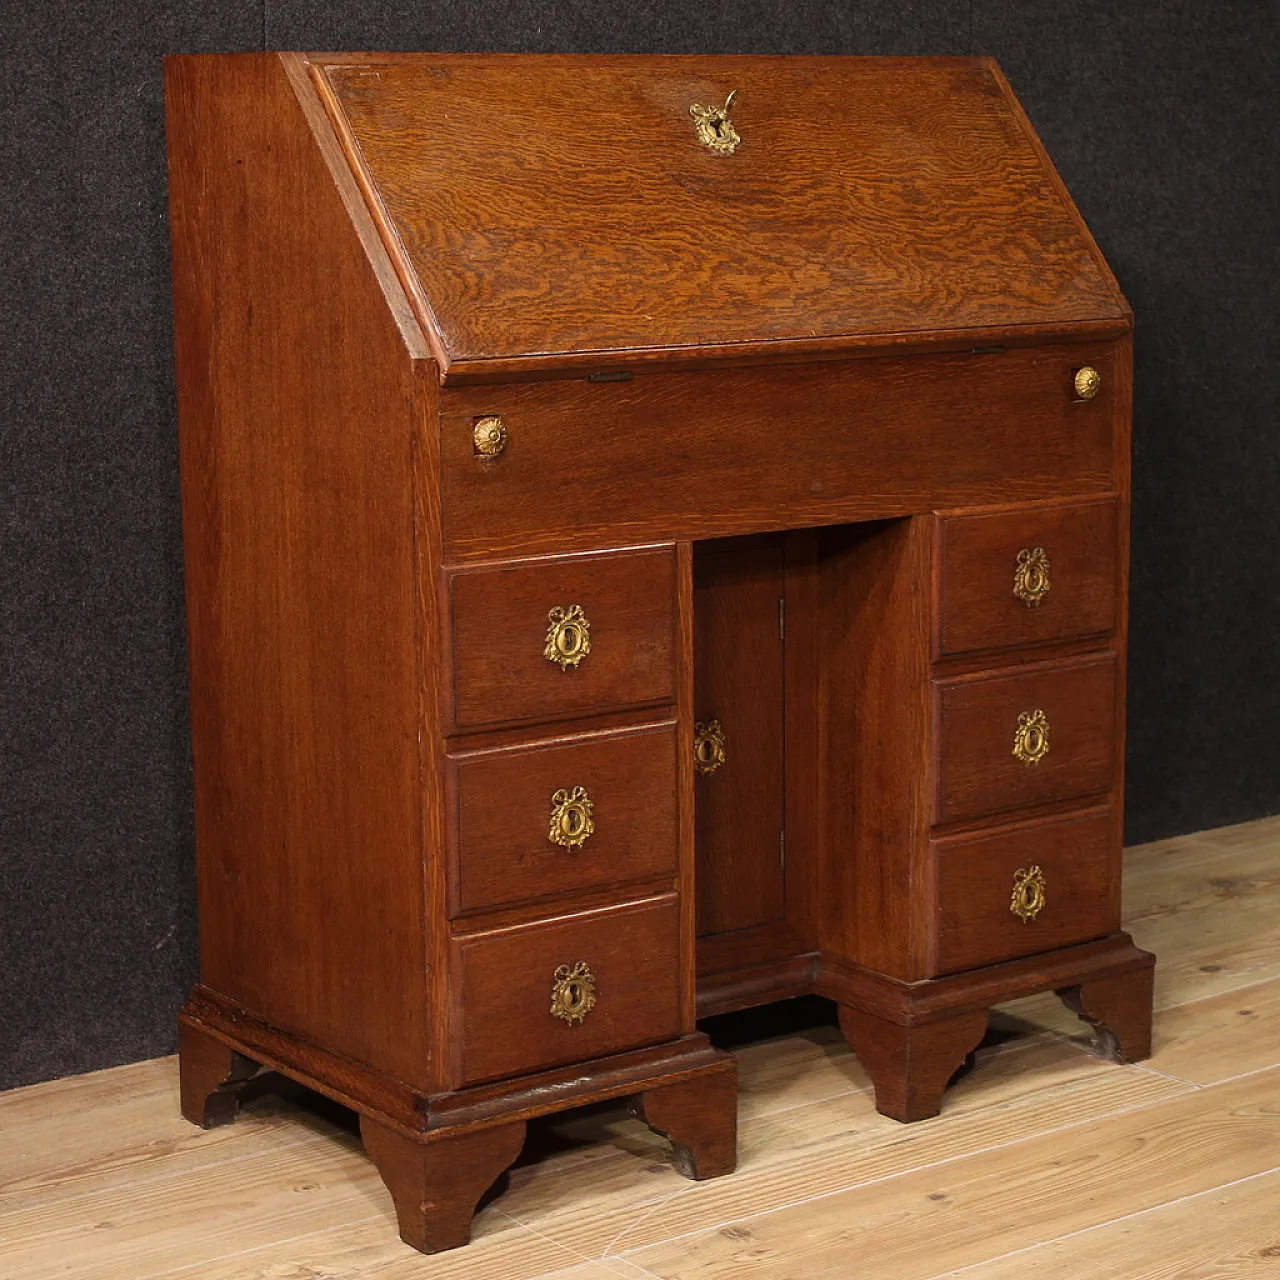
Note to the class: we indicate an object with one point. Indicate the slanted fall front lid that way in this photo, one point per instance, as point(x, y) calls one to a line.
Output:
point(553, 212)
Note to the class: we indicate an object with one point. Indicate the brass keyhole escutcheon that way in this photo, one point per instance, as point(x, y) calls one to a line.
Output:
point(1028, 893)
point(571, 821)
point(568, 636)
point(714, 128)
point(1087, 382)
point(1031, 738)
point(708, 746)
point(489, 436)
point(573, 992)
point(1031, 576)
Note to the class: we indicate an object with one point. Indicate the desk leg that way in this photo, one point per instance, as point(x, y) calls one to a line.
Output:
point(210, 1076)
point(1119, 1010)
point(436, 1183)
point(700, 1117)
point(911, 1066)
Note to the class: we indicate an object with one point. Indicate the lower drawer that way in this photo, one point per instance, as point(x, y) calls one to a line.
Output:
point(566, 990)
point(1020, 890)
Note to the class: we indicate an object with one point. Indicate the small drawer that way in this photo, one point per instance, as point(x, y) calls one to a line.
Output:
point(1037, 735)
point(1021, 890)
point(557, 816)
point(573, 635)
point(569, 989)
point(1026, 577)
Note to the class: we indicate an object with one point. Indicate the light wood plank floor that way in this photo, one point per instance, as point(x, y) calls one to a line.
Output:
point(1046, 1162)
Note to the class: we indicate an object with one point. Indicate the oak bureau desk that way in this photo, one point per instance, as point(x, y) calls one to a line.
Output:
point(656, 543)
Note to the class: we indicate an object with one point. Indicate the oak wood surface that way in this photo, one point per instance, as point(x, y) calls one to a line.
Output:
point(739, 682)
point(502, 805)
point(868, 198)
point(977, 724)
point(978, 609)
point(298, 402)
point(498, 621)
point(973, 878)
point(713, 454)
point(504, 982)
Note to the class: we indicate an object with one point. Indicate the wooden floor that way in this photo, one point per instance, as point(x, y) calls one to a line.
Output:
point(1046, 1162)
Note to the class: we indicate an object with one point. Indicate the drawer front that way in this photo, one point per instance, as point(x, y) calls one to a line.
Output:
point(711, 453)
point(553, 817)
point(1025, 577)
point(1022, 890)
point(508, 980)
point(574, 635)
point(1042, 734)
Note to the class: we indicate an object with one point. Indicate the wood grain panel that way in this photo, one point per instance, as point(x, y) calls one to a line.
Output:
point(977, 607)
point(502, 805)
point(504, 981)
point(300, 407)
point(738, 654)
point(701, 454)
point(921, 205)
point(977, 720)
point(499, 627)
point(973, 879)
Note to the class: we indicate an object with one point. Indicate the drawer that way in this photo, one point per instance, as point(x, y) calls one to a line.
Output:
point(1062, 876)
point(574, 635)
point(1037, 735)
point(507, 981)
point(714, 453)
point(1025, 577)
point(573, 813)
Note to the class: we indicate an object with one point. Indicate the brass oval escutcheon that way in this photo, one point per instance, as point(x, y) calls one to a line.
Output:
point(714, 128)
point(1087, 382)
point(489, 436)
point(572, 823)
point(1031, 738)
point(573, 992)
point(1031, 576)
point(1028, 893)
point(708, 746)
point(568, 636)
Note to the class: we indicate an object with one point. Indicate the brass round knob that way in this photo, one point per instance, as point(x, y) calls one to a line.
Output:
point(568, 636)
point(489, 436)
point(571, 821)
point(1031, 738)
point(708, 746)
point(573, 992)
point(1028, 897)
point(1087, 382)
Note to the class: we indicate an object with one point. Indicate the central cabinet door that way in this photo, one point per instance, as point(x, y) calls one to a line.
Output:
point(739, 687)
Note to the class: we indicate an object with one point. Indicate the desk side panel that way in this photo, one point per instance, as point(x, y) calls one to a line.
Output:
point(299, 402)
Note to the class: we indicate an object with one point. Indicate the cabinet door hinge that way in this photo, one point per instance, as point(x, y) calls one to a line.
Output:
point(782, 618)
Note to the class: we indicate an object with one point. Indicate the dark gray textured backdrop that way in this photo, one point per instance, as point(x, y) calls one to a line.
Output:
point(1161, 118)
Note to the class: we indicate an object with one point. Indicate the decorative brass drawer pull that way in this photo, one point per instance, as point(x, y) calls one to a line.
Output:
point(568, 636)
point(1031, 576)
point(573, 993)
point(1087, 382)
point(714, 128)
point(708, 746)
point(1028, 893)
point(571, 820)
point(489, 436)
point(1031, 740)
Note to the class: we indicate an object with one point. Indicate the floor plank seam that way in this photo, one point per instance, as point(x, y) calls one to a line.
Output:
point(167, 1175)
point(259, 1248)
point(635, 1222)
point(1167, 1075)
point(1110, 1222)
point(889, 1177)
point(524, 1226)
